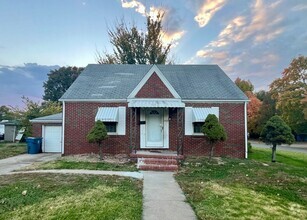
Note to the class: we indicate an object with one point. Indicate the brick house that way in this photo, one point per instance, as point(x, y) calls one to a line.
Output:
point(150, 107)
point(153, 107)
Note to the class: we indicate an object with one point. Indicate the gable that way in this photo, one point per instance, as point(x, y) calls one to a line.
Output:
point(154, 88)
point(154, 85)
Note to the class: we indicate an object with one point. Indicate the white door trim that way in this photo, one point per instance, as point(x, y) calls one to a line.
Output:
point(143, 130)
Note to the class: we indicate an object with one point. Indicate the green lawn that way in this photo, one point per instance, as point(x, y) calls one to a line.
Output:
point(247, 189)
point(59, 196)
point(12, 149)
point(64, 164)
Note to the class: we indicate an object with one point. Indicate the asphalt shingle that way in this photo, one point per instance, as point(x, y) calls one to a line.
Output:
point(195, 82)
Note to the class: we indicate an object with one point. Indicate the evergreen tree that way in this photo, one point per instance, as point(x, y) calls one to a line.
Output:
point(276, 132)
point(214, 131)
point(97, 134)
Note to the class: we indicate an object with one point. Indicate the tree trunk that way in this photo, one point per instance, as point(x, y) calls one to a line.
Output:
point(274, 153)
point(100, 151)
point(211, 152)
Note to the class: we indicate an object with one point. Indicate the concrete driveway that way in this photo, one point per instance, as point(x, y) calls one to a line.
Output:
point(13, 163)
point(300, 147)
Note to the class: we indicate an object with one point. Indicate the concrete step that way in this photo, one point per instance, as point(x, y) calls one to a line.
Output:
point(157, 167)
point(176, 157)
point(157, 164)
point(158, 161)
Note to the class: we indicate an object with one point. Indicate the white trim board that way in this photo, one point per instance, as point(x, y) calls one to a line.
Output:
point(154, 69)
point(46, 121)
point(63, 128)
point(94, 100)
point(213, 101)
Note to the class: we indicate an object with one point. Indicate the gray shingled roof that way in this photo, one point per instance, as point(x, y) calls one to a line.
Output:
point(54, 117)
point(195, 82)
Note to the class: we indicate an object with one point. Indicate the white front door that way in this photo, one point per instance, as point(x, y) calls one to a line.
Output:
point(154, 128)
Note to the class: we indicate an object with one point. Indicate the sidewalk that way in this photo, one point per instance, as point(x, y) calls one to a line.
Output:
point(136, 175)
point(163, 198)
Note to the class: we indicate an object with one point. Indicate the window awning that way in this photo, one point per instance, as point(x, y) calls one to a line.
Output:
point(107, 114)
point(200, 114)
point(156, 104)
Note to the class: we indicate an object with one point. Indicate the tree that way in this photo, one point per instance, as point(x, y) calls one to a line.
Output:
point(97, 134)
point(289, 92)
point(34, 110)
point(276, 132)
point(266, 111)
point(253, 109)
point(261, 94)
point(6, 113)
point(131, 46)
point(244, 85)
point(59, 81)
point(214, 131)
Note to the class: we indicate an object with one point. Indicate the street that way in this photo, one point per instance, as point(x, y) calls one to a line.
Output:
point(300, 147)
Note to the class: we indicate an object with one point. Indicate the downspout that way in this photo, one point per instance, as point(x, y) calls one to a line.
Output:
point(245, 128)
point(63, 127)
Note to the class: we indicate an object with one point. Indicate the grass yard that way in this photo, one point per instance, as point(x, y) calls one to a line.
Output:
point(12, 149)
point(247, 189)
point(58, 196)
point(64, 164)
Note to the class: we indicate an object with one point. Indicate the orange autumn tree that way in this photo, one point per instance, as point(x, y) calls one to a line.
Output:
point(253, 110)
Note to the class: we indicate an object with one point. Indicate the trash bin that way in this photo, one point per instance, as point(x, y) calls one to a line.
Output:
point(34, 145)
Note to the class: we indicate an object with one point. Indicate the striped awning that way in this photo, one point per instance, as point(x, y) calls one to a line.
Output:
point(156, 104)
point(107, 114)
point(200, 114)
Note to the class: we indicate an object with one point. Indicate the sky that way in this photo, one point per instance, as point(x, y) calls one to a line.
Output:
point(254, 40)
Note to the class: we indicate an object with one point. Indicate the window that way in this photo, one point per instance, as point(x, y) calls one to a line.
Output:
point(197, 127)
point(111, 126)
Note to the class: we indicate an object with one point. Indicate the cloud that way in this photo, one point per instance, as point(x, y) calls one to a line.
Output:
point(24, 80)
point(172, 32)
point(299, 7)
point(252, 44)
point(207, 11)
point(139, 7)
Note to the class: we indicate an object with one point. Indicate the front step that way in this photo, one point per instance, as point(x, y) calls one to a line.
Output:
point(157, 164)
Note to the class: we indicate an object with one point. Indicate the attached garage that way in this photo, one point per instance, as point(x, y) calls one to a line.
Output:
point(50, 129)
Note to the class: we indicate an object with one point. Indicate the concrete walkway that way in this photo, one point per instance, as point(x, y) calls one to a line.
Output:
point(136, 175)
point(7, 165)
point(163, 198)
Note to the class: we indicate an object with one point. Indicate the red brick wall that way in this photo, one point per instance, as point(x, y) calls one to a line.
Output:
point(231, 116)
point(37, 128)
point(154, 88)
point(79, 119)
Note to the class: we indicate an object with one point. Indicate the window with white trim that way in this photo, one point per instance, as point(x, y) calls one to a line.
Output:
point(195, 118)
point(114, 118)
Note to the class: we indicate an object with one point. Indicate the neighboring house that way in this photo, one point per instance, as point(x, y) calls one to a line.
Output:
point(50, 129)
point(10, 130)
point(153, 107)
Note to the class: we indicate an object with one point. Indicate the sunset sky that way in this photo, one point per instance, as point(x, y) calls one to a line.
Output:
point(252, 40)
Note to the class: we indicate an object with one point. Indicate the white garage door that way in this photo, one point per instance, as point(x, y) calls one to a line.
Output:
point(52, 138)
